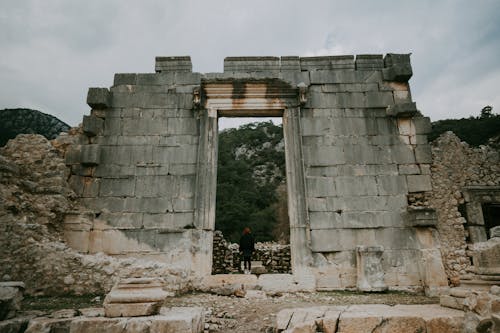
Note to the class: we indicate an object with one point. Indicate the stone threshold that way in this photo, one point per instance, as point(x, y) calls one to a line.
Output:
point(270, 283)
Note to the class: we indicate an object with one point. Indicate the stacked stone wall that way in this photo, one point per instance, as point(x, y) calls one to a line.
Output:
point(456, 166)
point(365, 154)
point(135, 169)
point(275, 257)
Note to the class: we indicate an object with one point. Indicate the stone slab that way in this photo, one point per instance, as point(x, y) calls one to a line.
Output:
point(371, 318)
point(112, 310)
point(177, 319)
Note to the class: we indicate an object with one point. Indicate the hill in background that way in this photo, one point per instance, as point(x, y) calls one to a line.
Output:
point(27, 121)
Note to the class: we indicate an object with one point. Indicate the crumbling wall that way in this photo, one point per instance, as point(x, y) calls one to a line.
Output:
point(275, 257)
point(455, 166)
point(34, 199)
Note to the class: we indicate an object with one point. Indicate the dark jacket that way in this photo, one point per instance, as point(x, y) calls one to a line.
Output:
point(247, 245)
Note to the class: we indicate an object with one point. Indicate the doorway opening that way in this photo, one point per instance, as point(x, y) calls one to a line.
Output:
point(251, 192)
point(491, 215)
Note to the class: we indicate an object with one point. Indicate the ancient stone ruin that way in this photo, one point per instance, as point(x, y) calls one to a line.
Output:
point(372, 205)
point(355, 147)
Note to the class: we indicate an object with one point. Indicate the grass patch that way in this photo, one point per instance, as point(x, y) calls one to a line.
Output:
point(54, 303)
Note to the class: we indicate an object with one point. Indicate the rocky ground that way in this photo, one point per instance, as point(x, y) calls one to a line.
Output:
point(256, 312)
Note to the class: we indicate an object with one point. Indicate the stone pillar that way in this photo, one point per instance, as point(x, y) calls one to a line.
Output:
point(370, 273)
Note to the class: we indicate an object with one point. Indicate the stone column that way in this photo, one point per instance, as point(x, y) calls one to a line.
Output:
point(369, 268)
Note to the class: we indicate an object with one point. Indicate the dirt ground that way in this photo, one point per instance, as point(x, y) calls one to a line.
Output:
point(238, 314)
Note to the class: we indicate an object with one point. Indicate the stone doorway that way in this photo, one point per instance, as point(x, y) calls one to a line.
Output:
point(251, 192)
point(253, 98)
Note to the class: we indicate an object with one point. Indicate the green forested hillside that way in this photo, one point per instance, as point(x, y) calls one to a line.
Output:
point(251, 165)
point(473, 130)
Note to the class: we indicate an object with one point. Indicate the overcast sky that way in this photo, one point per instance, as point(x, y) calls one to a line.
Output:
point(51, 51)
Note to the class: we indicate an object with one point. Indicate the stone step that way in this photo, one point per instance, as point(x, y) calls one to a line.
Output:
point(476, 284)
point(452, 302)
point(459, 292)
point(370, 318)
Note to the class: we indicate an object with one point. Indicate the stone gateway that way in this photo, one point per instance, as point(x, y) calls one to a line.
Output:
point(356, 153)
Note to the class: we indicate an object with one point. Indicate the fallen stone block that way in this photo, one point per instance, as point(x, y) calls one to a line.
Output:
point(49, 325)
point(177, 319)
point(135, 297)
point(113, 310)
point(15, 325)
point(11, 295)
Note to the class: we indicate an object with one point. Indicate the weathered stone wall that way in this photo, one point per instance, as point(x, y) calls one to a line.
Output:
point(35, 198)
point(136, 171)
point(275, 257)
point(356, 152)
point(366, 151)
point(455, 167)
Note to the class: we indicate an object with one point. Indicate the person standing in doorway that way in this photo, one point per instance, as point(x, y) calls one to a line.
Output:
point(246, 249)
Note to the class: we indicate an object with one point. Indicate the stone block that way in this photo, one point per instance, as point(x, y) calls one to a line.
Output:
point(432, 268)
point(117, 187)
point(91, 154)
point(364, 154)
point(44, 324)
point(186, 154)
point(324, 156)
point(125, 79)
point(183, 126)
point(251, 64)
point(403, 110)
point(369, 61)
point(331, 240)
point(11, 296)
point(419, 183)
point(156, 186)
point(408, 169)
point(122, 220)
point(144, 126)
point(73, 155)
point(290, 63)
point(327, 63)
point(168, 220)
point(173, 64)
point(92, 125)
point(364, 220)
point(325, 220)
point(320, 187)
point(99, 98)
point(85, 187)
point(452, 302)
point(131, 309)
point(422, 125)
point(421, 217)
point(397, 67)
point(423, 154)
point(391, 185)
point(370, 275)
point(402, 154)
point(356, 186)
